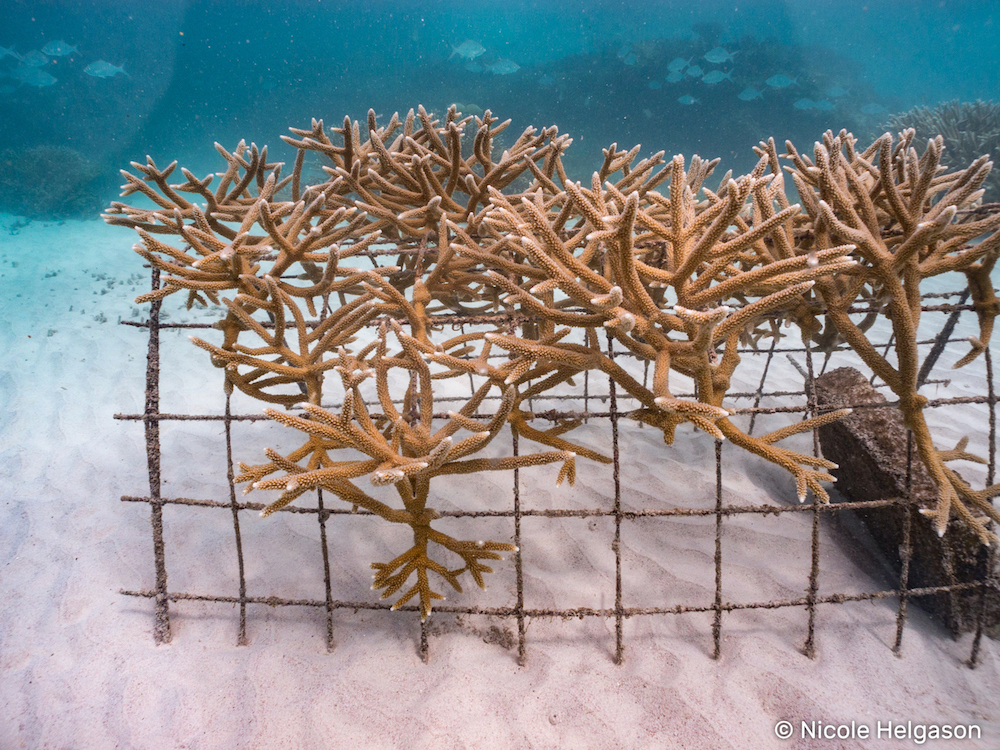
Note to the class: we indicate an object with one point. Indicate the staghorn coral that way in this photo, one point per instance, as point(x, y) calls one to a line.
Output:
point(656, 272)
point(675, 273)
point(969, 130)
point(403, 449)
point(903, 213)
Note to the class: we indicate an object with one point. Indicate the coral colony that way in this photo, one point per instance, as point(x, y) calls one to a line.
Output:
point(546, 271)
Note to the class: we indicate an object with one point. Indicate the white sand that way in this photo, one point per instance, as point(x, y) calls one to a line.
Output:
point(79, 668)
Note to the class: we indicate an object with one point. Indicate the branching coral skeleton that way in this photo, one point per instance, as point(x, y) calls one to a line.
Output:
point(402, 449)
point(646, 258)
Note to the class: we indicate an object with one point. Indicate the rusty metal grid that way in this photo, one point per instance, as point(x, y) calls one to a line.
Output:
point(518, 610)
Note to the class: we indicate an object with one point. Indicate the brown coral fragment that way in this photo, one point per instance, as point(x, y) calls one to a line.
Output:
point(402, 449)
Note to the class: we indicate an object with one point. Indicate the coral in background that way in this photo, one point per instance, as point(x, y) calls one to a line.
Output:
point(49, 182)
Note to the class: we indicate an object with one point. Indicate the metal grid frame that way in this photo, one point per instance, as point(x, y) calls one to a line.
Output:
point(162, 596)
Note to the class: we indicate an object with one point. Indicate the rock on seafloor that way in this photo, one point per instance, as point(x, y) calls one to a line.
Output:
point(870, 448)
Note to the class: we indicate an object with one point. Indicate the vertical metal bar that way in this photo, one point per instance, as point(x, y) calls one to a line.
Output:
point(717, 619)
point(760, 388)
point(241, 638)
point(809, 648)
point(518, 563)
point(990, 563)
point(324, 516)
point(616, 545)
point(161, 617)
point(905, 551)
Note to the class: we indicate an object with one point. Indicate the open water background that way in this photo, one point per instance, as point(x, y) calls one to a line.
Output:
point(201, 72)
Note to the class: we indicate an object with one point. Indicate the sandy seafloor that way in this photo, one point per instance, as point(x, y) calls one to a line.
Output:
point(78, 663)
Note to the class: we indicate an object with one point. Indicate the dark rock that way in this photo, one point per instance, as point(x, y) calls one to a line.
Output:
point(870, 447)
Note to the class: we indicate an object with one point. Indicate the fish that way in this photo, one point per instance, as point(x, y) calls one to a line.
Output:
point(467, 50)
point(835, 92)
point(675, 77)
point(678, 64)
point(59, 49)
point(473, 67)
point(503, 67)
point(630, 59)
point(102, 69)
point(873, 109)
point(33, 76)
point(825, 104)
point(716, 76)
point(805, 104)
point(718, 55)
point(780, 81)
point(750, 93)
point(653, 85)
point(5, 52)
point(546, 80)
point(686, 100)
point(694, 71)
point(623, 51)
point(35, 59)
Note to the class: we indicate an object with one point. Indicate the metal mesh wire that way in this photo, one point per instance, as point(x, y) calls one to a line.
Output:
point(596, 389)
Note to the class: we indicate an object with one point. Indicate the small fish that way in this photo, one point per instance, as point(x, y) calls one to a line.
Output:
point(718, 55)
point(503, 67)
point(473, 67)
point(835, 92)
point(716, 76)
point(36, 59)
point(59, 49)
point(102, 69)
point(750, 93)
point(780, 81)
point(467, 50)
point(675, 77)
point(623, 51)
point(4, 52)
point(32, 76)
point(678, 64)
point(873, 109)
point(694, 71)
point(805, 104)
point(647, 113)
point(546, 80)
point(686, 100)
point(655, 85)
point(825, 105)
point(630, 59)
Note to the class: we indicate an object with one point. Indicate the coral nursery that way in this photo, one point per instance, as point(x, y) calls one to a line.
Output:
point(543, 273)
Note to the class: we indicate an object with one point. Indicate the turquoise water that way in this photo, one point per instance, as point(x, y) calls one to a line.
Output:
point(178, 76)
